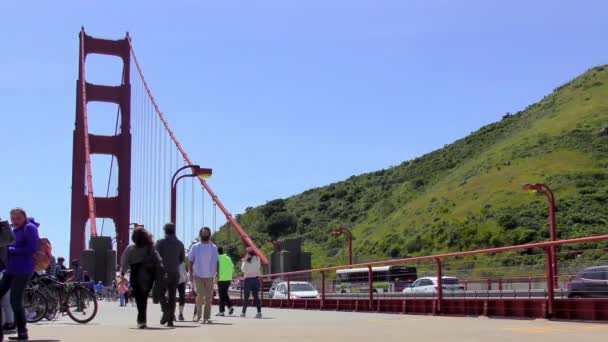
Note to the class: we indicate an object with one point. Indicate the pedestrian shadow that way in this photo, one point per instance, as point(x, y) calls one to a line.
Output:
point(44, 340)
point(48, 324)
point(151, 328)
point(179, 326)
point(217, 323)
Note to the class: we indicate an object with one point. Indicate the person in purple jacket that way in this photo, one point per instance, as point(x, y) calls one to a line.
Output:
point(20, 267)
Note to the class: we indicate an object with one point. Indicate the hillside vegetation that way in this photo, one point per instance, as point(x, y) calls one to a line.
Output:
point(468, 194)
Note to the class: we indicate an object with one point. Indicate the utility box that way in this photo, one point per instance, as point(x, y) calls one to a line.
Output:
point(103, 260)
point(290, 258)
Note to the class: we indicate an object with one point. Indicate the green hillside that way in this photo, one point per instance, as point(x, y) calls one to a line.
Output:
point(468, 194)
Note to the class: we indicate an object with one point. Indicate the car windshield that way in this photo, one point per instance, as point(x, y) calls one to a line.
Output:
point(450, 281)
point(301, 287)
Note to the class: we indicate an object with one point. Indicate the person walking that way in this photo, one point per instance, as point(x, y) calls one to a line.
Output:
point(172, 252)
point(145, 265)
point(123, 288)
point(224, 281)
point(251, 273)
point(181, 289)
point(204, 265)
point(6, 238)
point(60, 269)
point(20, 268)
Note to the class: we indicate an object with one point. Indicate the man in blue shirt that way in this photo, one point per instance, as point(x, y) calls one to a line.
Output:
point(204, 265)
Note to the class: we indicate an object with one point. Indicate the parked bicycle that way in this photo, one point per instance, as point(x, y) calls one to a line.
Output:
point(46, 298)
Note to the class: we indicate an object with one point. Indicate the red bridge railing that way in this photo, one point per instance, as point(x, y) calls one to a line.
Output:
point(494, 300)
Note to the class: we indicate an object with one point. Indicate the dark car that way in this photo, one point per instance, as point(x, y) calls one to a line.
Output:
point(591, 282)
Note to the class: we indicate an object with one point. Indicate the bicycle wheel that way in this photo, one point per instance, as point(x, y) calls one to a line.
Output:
point(81, 305)
point(52, 297)
point(35, 305)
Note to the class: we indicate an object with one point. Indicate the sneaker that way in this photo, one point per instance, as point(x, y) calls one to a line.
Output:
point(181, 317)
point(19, 337)
point(170, 324)
point(243, 315)
point(231, 311)
point(9, 329)
point(258, 315)
point(220, 314)
point(141, 326)
point(207, 321)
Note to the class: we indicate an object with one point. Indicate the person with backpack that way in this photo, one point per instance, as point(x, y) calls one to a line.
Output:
point(172, 252)
point(6, 238)
point(20, 268)
point(145, 266)
point(223, 282)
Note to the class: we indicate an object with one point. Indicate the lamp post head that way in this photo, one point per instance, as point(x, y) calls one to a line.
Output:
point(202, 173)
point(533, 188)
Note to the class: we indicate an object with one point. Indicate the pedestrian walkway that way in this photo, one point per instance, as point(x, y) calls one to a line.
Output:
point(118, 324)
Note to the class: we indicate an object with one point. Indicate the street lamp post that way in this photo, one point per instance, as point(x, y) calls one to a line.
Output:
point(197, 171)
point(544, 189)
point(349, 239)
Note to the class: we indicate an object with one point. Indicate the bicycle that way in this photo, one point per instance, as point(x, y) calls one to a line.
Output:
point(35, 304)
point(73, 299)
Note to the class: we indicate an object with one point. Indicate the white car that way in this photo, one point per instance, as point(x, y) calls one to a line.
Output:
point(428, 286)
point(298, 290)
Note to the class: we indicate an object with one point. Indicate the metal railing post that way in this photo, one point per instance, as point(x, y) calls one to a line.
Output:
point(322, 289)
point(439, 286)
point(550, 285)
point(289, 289)
point(370, 281)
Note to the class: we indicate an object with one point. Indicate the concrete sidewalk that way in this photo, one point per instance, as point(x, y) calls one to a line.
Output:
point(114, 323)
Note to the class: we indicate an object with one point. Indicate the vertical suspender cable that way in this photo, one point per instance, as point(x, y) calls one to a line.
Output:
point(184, 225)
point(192, 208)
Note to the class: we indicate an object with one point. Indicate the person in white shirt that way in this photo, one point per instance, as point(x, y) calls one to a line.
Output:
point(204, 265)
point(251, 273)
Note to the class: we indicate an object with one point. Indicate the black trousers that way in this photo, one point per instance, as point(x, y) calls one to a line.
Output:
point(222, 287)
point(181, 290)
point(167, 300)
point(16, 283)
point(252, 287)
point(141, 293)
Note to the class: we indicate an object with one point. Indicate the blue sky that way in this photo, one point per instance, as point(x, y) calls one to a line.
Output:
point(282, 96)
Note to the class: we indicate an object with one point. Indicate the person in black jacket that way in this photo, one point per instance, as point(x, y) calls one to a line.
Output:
point(145, 264)
point(172, 252)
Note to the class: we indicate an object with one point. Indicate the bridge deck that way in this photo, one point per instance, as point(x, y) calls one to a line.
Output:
point(114, 323)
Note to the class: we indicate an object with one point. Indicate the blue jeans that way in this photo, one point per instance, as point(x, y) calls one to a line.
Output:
point(121, 296)
point(252, 287)
point(16, 284)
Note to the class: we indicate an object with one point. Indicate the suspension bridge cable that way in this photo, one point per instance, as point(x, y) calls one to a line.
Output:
point(246, 239)
point(87, 145)
point(214, 217)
